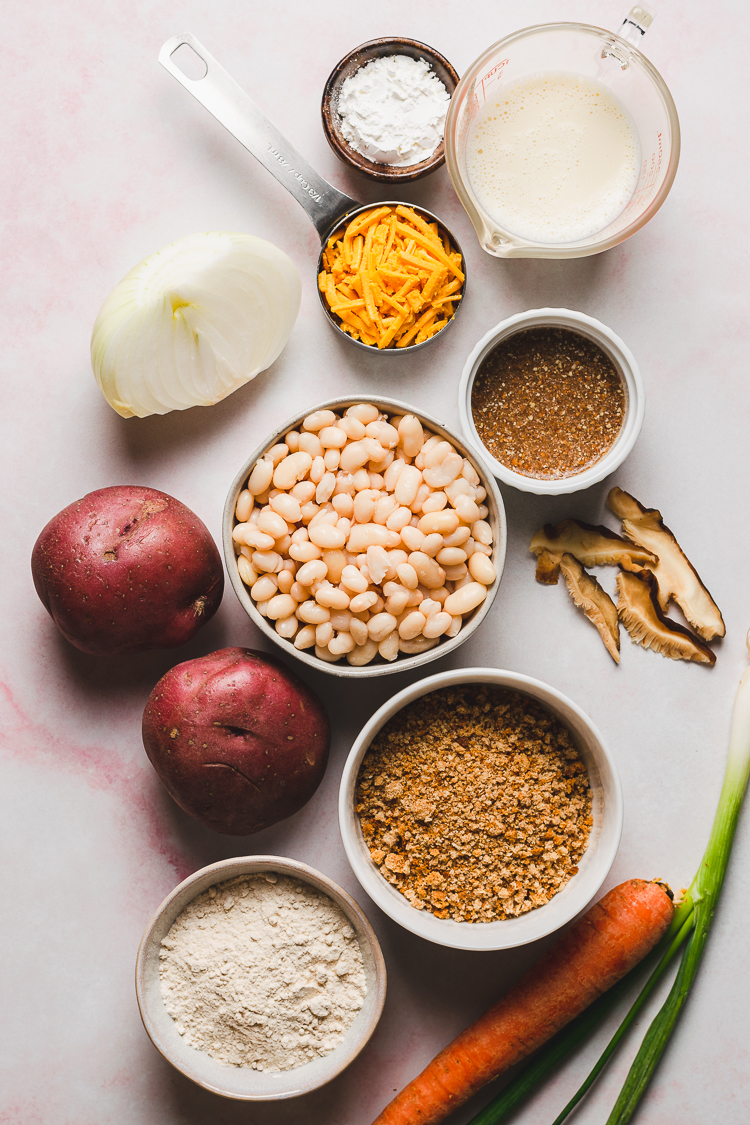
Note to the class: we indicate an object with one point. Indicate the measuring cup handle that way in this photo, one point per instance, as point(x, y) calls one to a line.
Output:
point(221, 96)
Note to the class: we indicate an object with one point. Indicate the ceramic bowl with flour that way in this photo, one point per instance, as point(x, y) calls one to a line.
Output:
point(259, 978)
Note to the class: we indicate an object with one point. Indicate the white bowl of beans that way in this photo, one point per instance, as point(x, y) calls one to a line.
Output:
point(364, 537)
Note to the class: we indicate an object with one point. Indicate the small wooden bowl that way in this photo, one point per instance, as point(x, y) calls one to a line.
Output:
point(359, 57)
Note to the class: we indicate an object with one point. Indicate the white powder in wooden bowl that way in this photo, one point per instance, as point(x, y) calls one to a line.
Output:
point(262, 971)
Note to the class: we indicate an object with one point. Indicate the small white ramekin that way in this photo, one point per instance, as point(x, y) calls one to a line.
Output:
point(243, 1083)
point(593, 868)
point(611, 345)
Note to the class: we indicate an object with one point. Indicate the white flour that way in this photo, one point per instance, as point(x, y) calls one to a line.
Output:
point(393, 110)
point(262, 971)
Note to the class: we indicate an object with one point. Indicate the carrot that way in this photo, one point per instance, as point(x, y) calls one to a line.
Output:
point(605, 944)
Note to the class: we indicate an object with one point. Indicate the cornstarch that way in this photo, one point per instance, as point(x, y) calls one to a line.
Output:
point(262, 971)
point(393, 110)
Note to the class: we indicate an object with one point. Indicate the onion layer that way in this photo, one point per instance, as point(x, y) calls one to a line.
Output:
point(194, 322)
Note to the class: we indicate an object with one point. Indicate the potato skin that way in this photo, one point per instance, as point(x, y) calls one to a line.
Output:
point(125, 569)
point(237, 739)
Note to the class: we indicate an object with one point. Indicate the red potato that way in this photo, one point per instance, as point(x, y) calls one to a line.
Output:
point(126, 569)
point(237, 739)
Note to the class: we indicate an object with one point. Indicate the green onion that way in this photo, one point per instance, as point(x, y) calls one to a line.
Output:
point(692, 920)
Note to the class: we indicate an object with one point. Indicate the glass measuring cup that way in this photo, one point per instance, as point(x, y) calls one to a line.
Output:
point(326, 207)
point(584, 51)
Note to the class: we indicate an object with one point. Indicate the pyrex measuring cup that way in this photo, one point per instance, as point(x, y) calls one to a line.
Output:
point(325, 205)
point(588, 52)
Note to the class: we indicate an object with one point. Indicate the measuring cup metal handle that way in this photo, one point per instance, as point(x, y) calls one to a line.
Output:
point(228, 103)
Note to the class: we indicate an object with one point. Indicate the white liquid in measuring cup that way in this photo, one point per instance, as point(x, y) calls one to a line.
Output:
point(553, 158)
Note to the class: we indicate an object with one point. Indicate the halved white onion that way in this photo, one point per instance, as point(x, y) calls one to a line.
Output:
point(194, 322)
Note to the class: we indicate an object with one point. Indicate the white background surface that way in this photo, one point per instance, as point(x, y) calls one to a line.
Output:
point(106, 159)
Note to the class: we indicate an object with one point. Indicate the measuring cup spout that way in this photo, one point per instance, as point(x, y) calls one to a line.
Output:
point(229, 104)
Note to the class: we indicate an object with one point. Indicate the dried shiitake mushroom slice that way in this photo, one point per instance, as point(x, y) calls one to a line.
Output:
point(595, 603)
point(547, 568)
point(640, 613)
point(592, 546)
point(677, 578)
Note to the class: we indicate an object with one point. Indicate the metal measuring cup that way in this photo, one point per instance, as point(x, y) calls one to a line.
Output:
point(327, 207)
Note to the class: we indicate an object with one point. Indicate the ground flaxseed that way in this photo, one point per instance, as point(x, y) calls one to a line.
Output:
point(547, 402)
point(475, 803)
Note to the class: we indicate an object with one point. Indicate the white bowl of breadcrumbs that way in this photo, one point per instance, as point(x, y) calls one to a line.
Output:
point(480, 809)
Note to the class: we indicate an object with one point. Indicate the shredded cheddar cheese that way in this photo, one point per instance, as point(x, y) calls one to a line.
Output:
point(391, 278)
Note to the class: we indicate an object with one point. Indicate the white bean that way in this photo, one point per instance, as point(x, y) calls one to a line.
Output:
point(323, 634)
point(355, 455)
point(470, 473)
point(379, 565)
point(451, 556)
point(435, 502)
point(249, 534)
point(343, 504)
point(385, 507)
point(341, 644)
point(361, 480)
point(407, 485)
point(396, 603)
point(431, 544)
point(482, 532)
point(282, 605)
point(411, 625)
point(335, 560)
point(312, 613)
point(318, 419)
point(442, 523)
point(398, 519)
point(303, 491)
point(416, 646)
point(458, 537)
point(383, 432)
point(411, 435)
point(272, 524)
point(358, 630)
point(459, 487)
point(423, 492)
point(310, 443)
point(245, 502)
point(247, 571)
point(428, 445)
point(324, 515)
point(352, 427)
point(299, 592)
point(362, 654)
point(364, 505)
point(285, 579)
point(327, 536)
point(380, 626)
point(388, 648)
point(362, 602)
point(311, 572)
point(341, 619)
point(429, 606)
point(481, 568)
point(392, 473)
point(447, 471)
point(292, 440)
point(325, 654)
point(412, 537)
point(325, 488)
point(364, 412)
point(288, 507)
point(304, 552)
point(331, 459)
point(429, 573)
point(464, 600)
point(407, 576)
point(434, 455)
point(306, 637)
point(436, 625)
point(332, 597)
point(264, 588)
point(455, 573)
point(367, 535)
point(353, 579)
point(317, 469)
point(467, 509)
point(332, 437)
point(260, 477)
point(455, 627)
point(292, 469)
point(277, 452)
point(267, 562)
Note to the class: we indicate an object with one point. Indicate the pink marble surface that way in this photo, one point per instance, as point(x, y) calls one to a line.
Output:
point(105, 160)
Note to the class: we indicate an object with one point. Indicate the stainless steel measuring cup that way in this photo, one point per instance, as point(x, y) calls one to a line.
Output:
point(327, 207)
